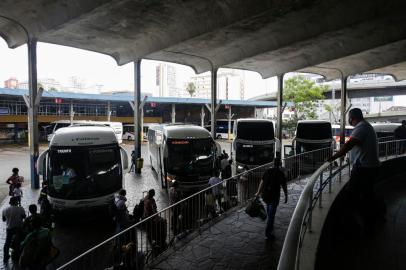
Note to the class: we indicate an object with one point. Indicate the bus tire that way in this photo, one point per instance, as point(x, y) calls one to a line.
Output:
point(218, 136)
point(129, 138)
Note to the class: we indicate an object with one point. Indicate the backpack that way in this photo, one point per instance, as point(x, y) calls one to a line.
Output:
point(138, 211)
point(35, 251)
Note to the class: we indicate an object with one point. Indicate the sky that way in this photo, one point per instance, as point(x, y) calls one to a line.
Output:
point(61, 63)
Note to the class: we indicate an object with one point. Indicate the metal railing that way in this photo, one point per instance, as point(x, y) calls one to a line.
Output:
point(312, 194)
point(144, 241)
point(305, 163)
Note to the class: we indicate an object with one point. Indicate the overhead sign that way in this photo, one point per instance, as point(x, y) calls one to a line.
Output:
point(58, 100)
point(4, 111)
point(383, 98)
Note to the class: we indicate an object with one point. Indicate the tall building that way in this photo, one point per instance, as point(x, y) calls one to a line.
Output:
point(11, 83)
point(166, 81)
point(230, 84)
point(46, 83)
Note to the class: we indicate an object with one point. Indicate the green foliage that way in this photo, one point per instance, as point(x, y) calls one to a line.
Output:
point(304, 94)
point(52, 89)
point(191, 89)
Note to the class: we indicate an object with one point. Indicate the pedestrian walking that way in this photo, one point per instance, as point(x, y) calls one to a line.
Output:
point(216, 189)
point(37, 248)
point(28, 226)
point(121, 215)
point(175, 195)
point(243, 184)
point(13, 180)
point(363, 148)
point(150, 207)
point(269, 188)
point(18, 193)
point(14, 216)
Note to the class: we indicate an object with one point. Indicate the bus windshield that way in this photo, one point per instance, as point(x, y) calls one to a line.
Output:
point(313, 131)
point(84, 172)
point(255, 131)
point(254, 154)
point(190, 157)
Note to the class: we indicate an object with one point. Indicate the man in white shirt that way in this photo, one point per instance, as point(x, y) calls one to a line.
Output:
point(14, 216)
point(364, 158)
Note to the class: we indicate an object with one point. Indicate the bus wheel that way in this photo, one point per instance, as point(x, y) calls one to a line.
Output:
point(129, 138)
point(218, 136)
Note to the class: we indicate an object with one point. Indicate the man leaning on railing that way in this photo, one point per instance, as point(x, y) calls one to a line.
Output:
point(365, 165)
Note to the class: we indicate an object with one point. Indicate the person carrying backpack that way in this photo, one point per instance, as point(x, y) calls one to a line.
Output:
point(269, 188)
point(37, 248)
point(121, 215)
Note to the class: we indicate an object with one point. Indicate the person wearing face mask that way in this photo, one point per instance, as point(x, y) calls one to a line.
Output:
point(363, 148)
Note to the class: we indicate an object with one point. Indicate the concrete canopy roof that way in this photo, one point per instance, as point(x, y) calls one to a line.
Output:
point(271, 37)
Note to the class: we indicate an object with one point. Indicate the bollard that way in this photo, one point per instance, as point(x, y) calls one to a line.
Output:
point(140, 164)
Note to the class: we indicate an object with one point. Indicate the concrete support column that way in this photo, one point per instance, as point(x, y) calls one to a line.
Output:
point(33, 110)
point(279, 112)
point(137, 101)
point(230, 116)
point(173, 113)
point(213, 101)
point(71, 112)
point(142, 122)
point(108, 111)
point(202, 114)
point(343, 108)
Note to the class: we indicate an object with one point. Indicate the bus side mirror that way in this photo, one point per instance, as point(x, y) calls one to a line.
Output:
point(41, 162)
point(124, 157)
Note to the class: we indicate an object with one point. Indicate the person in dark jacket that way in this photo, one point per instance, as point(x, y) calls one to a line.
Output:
point(269, 188)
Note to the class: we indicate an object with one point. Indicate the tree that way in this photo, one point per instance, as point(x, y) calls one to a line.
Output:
point(304, 95)
point(52, 89)
point(191, 89)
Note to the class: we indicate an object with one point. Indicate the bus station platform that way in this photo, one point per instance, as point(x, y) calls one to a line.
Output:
point(237, 241)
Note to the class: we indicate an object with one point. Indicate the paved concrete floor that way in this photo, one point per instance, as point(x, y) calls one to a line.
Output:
point(236, 242)
point(78, 234)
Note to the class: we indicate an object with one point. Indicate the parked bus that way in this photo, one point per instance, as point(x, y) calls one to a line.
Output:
point(83, 166)
point(186, 153)
point(222, 128)
point(336, 130)
point(128, 131)
point(254, 143)
point(311, 135)
point(385, 131)
point(116, 126)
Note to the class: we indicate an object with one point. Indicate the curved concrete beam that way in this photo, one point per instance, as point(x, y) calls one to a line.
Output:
point(374, 59)
point(268, 32)
point(326, 47)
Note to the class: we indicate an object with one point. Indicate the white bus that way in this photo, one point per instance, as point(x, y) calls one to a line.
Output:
point(128, 131)
point(186, 153)
point(222, 128)
point(116, 126)
point(254, 143)
point(83, 166)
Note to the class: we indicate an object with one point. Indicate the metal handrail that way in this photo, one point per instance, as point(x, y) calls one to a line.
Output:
point(302, 215)
point(188, 200)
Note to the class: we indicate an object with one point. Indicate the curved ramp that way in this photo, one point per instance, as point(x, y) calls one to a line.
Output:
point(345, 245)
point(236, 242)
